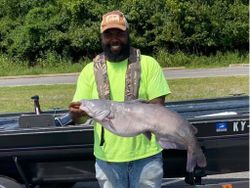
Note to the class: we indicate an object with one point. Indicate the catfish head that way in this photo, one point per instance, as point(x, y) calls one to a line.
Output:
point(97, 109)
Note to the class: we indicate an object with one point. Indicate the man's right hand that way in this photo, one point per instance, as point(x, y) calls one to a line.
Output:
point(75, 111)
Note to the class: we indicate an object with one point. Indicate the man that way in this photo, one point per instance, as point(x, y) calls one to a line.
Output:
point(120, 73)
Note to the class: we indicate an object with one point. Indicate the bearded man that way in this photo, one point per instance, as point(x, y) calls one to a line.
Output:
point(121, 73)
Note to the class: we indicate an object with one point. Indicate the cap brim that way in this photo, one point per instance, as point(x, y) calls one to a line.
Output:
point(113, 26)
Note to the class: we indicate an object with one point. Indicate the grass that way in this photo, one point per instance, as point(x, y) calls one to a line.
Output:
point(17, 99)
point(195, 88)
point(167, 59)
point(9, 67)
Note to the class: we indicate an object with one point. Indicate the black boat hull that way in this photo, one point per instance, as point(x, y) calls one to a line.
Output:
point(65, 154)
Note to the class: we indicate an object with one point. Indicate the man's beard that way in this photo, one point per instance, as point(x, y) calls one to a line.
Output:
point(122, 55)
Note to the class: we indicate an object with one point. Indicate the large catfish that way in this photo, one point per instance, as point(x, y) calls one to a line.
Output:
point(132, 118)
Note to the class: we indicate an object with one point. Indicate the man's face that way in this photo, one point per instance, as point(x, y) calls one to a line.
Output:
point(115, 44)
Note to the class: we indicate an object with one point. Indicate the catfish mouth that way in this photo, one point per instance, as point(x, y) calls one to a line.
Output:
point(98, 115)
point(87, 110)
point(103, 115)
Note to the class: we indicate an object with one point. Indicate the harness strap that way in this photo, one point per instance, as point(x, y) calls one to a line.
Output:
point(101, 77)
point(132, 80)
point(133, 75)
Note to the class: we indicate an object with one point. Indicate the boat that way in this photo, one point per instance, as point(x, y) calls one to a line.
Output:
point(36, 153)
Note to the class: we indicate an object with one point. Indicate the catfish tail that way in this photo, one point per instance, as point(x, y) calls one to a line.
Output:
point(201, 159)
point(195, 158)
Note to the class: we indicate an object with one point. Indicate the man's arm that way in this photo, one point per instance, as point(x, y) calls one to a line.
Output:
point(159, 100)
point(83, 91)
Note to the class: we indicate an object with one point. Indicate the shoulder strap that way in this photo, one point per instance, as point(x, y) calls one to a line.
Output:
point(101, 76)
point(132, 78)
point(133, 75)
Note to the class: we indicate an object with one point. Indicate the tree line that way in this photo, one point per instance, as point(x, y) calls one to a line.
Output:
point(33, 29)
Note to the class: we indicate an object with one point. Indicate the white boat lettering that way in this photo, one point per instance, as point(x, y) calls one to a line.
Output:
point(239, 126)
point(243, 125)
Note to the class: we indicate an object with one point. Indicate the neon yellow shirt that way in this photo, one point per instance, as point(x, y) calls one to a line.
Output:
point(152, 85)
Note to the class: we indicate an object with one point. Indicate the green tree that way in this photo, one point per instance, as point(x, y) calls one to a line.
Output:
point(70, 29)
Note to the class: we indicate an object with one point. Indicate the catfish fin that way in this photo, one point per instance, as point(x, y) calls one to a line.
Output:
point(171, 145)
point(138, 101)
point(111, 115)
point(148, 135)
point(194, 129)
point(107, 123)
